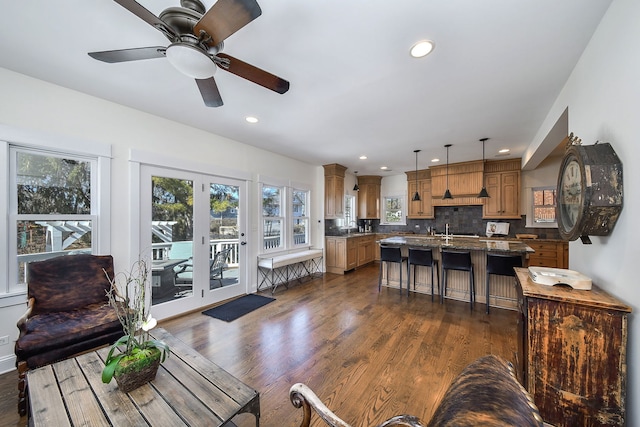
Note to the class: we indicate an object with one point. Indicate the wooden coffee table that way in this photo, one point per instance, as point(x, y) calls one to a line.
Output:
point(189, 390)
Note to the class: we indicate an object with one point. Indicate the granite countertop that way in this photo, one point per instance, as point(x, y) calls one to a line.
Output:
point(472, 244)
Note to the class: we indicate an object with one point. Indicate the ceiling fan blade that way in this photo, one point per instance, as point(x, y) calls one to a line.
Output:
point(142, 13)
point(253, 74)
point(124, 55)
point(209, 91)
point(225, 18)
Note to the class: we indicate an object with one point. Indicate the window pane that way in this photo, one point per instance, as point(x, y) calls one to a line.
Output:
point(271, 201)
point(300, 231)
point(299, 203)
point(52, 185)
point(393, 209)
point(272, 233)
point(40, 240)
point(171, 238)
point(544, 205)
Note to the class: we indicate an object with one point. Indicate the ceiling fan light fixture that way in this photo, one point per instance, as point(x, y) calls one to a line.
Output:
point(191, 61)
point(422, 48)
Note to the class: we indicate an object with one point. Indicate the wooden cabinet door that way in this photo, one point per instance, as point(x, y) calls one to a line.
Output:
point(351, 255)
point(510, 194)
point(492, 205)
point(334, 191)
point(422, 208)
point(504, 195)
point(336, 252)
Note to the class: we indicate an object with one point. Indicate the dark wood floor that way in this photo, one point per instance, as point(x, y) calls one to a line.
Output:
point(368, 355)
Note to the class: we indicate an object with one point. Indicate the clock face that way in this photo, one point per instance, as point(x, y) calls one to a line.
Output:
point(571, 194)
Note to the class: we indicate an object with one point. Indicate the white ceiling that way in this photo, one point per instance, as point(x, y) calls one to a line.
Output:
point(497, 68)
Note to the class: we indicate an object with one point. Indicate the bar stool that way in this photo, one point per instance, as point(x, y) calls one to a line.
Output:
point(461, 261)
point(391, 254)
point(502, 265)
point(423, 257)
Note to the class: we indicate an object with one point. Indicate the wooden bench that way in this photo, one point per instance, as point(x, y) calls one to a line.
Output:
point(277, 269)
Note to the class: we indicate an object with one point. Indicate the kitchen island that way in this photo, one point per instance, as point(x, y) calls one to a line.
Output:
point(503, 290)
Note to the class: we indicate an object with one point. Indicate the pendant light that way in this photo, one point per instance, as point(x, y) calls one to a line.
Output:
point(447, 193)
point(355, 187)
point(483, 193)
point(416, 195)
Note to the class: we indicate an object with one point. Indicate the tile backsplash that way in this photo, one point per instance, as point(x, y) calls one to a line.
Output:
point(461, 220)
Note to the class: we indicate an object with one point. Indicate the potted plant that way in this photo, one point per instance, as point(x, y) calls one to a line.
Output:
point(134, 359)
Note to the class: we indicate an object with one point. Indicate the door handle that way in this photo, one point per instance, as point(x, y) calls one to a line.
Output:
point(243, 243)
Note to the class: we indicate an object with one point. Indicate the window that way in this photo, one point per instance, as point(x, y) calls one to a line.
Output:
point(285, 216)
point(350, 218)
point(300, 217)
point(544, 205)
point(53, 208)
point(272, 217)
point(393, 210)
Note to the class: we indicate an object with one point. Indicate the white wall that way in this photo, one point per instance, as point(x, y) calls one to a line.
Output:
point(46, 109)
point(603, 96)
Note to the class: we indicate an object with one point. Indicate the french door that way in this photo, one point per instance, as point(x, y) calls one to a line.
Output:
point(194, 227)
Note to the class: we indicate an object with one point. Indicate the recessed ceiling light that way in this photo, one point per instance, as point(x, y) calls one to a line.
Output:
point(384, 168)
point(422, 48)
point(251, 119)
point(504, 150)
point(363, 157)
point(435, 160)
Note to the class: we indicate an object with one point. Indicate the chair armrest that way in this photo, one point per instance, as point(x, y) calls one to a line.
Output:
point(303, 397)
point(22, 321)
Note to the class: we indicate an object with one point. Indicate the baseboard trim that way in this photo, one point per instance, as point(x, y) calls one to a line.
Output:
point(7, 364)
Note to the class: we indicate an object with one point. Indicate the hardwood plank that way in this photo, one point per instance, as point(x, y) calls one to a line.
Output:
point(81, 403)
point(119, 409)
point(43, 387)
point(367, 355)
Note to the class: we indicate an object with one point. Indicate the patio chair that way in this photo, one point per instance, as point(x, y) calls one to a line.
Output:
point(216, 267)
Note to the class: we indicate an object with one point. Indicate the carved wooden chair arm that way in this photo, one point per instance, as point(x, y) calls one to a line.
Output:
point(303, 397)
point(23, 319)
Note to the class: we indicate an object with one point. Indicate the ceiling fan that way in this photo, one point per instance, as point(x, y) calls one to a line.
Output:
point(197, 39)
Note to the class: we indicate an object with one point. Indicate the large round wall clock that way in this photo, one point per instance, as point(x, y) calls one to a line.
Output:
point(589, 192)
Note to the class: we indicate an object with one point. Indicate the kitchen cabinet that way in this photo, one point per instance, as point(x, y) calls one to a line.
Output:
point(423, 208)
point(549, 253)
point(369, 196)
point(334, 191)
point(572, 353)
point(344, 253)
point(502, 180)
point(366, 250)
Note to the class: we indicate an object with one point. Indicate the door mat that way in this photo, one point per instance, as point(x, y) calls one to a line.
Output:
point(238, 307)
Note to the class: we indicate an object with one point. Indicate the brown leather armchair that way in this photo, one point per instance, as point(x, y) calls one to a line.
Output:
point(68, 313)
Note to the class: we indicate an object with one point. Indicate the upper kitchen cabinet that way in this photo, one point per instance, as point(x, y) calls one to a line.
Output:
point(334, 191)
point(464, 181)
point(423, 208)
point(502, 179)
point(369, 196)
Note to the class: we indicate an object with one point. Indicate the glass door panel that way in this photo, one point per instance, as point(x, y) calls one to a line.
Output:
point(171, 239)
point(224, 233)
